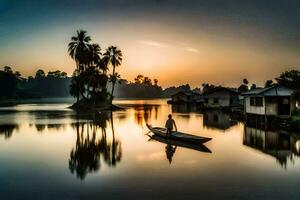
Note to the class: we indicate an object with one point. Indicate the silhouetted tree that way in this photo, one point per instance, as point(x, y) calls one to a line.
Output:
point(78, 48)
point(253, 86)
point(269, 83)
point(244, 86)
point(95, 53)
point(40, 74)
point(8, 69)
point(8, 83)
point(90, 78)
point(17, 74)
point(207, 86)
point(290, 79)
point(113, 55)
point(245, 81)
point(139, 79)
point(147, 81)
point(114, 78)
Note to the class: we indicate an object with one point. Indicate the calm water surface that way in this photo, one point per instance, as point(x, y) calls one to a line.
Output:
point(49, 152)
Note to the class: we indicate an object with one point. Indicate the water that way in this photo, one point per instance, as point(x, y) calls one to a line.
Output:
point(49, 152)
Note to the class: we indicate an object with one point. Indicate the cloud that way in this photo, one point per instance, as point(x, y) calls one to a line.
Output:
point(192, 49)
point(152, 43)
point(182, 46)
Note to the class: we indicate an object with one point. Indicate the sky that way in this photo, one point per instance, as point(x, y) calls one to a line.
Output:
point(175, 41)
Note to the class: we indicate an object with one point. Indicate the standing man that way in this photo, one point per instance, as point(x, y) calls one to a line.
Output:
point(169, 125)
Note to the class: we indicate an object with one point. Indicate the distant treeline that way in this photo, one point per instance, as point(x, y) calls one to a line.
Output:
point(144, 87)
point(42, 85)
point(57, 84)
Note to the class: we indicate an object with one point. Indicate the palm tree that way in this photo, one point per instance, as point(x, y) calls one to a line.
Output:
point(114, 57)
point(114, 78)
point(95, 53)
point(78, 47)
point(103, 65)
point(95, 81)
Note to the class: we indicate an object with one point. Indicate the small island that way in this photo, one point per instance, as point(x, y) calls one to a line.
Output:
point(90, 79)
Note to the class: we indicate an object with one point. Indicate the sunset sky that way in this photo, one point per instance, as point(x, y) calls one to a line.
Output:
point(175, 41)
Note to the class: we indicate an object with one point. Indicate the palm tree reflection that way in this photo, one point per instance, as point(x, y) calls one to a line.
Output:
point(7, 130)
point(92, 143)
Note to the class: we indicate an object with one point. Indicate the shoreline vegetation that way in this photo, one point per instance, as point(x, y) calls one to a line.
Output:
point(95, 82)
point(56, 84)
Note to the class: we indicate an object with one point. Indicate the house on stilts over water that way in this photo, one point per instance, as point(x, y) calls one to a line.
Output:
point(271, 105)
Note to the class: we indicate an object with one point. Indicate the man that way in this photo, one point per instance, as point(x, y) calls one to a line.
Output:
point(169, 125)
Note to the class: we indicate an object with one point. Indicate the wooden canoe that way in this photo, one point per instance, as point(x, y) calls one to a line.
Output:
point(162, 132)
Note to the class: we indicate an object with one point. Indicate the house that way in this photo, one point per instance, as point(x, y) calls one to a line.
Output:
point(270, 102)
point(221, 97)
point(185, 97)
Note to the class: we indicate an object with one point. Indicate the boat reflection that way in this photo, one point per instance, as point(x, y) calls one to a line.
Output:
point(171, 145)
point(92, 143)
point(282, 146)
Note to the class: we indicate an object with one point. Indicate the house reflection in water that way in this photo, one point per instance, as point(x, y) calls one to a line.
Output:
point(183, 108)
point(280, 145)
point(144, 113)
point(218, 119)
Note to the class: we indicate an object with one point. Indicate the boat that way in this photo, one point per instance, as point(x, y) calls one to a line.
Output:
point(188, 145)
point(176, 135)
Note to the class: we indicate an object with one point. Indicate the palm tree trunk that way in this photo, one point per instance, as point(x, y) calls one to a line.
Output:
point(82, 95)
point(77, 67)
point(94, 96)
point(113, 84)
point(113, 160)
point(112, 90)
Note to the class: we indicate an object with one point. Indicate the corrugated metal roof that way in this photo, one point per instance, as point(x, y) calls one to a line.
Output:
point(219, 88)
point(270, 91)
point(187, 93)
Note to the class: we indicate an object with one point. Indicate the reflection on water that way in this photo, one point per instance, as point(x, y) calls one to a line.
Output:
point(92, 143)
point(170, 150)
point(59, 154)
point(143, 113)
point(218, 119)
point(281, 145)
point(183, 108)
point(171, 146)
point(7, 130)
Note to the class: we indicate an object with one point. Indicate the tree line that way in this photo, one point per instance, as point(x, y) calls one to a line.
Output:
point(42, 85)
point(58, 84)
